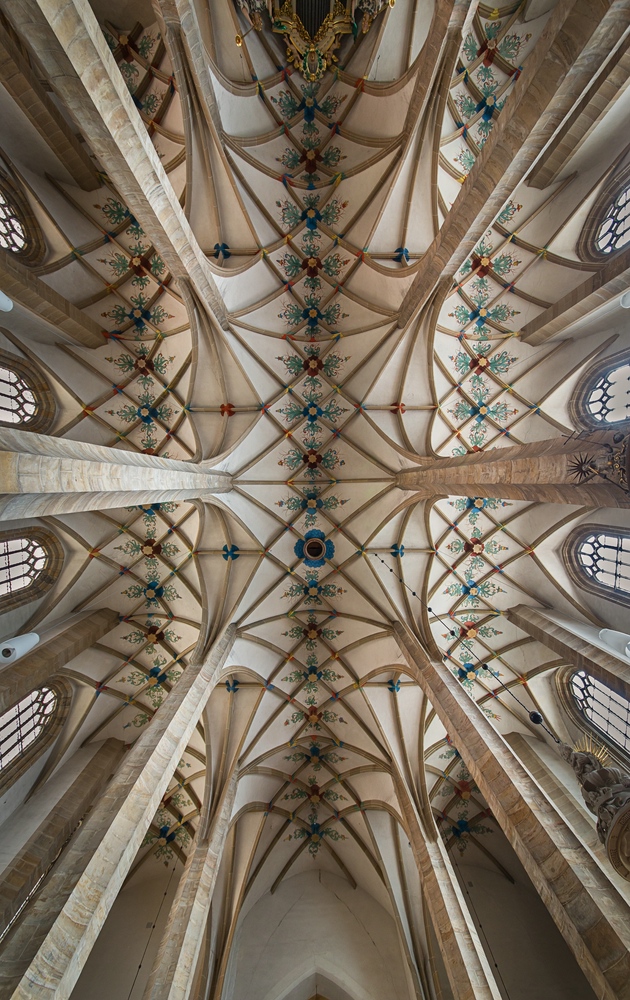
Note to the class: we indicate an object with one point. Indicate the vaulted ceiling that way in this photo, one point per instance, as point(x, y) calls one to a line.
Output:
point(367, 327)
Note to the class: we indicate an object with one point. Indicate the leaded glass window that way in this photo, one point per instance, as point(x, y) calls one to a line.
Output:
point(23, 724)
point(604, 559)
point(18, 402)
point(605, 709)
point(608, 401)
point(13, 234)
point(22, 560)
point(614, 231)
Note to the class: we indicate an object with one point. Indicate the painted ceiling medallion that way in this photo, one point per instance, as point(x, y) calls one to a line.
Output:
point(312, 29)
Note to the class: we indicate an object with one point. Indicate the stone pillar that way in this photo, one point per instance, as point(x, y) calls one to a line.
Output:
point(589, 912)
point(44, 955)
point(32, 862)
point(543, 471)
point(174, 970)
point(37, 667)
point(42, 475)
point(466, 965)
point(69, 45)
point(606, 667)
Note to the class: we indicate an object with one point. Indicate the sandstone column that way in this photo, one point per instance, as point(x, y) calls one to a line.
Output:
point(42, 475)
point(466, 965)
point(543, 471)
point(32, 862)
point(46, 952)
point(589, 912)
point(31, 671)
point(606, 667)
point(173, 973)
point(69, 44)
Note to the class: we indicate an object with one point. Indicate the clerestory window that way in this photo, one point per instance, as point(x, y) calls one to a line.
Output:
point(30, 562)
point(26, 399)
point(25, 723)
point(614, 230)
point(20, 233)
point(607, 711)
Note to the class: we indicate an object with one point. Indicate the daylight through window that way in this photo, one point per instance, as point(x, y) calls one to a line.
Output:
point(12, 231)
point(18, 403)
point(25, 723)
point(605, 559)
point(22, 560)
point(614, 232)
point(604, 709)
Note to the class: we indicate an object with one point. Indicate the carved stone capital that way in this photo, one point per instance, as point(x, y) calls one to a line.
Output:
point(618, 842)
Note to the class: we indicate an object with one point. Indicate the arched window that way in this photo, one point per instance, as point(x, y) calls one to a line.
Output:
point(25, 723)
point(26, 399)
point(614, 230)
point(30, 562)
point(602, 397)
point(608, 401)
point(606, 710)
point(20, 233)
point(598, 559)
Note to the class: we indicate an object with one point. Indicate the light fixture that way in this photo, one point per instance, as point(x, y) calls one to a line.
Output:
point(6, 304)
point(624, 301)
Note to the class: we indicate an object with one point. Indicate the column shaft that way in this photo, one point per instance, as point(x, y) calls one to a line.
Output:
point(543, 471)
point(71, 48)
point(466, 965)
point(606, 667)
point(46, 952)
point(42, 475)
point(19, 879)
point(38, 666)
point(589, 912)
point(173, 973)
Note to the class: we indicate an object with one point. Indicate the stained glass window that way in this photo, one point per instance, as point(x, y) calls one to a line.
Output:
point(608, 400)
point(22, 560)
point(18, 402)
point(604, 558)
point(13, 234)
point(25, 723)
point(614, 232)
point(605, 709)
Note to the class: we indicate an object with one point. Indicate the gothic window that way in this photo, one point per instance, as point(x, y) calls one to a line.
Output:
point(602, 397)
point(26, 399)
point(599, 561)
point(19, 231)
point(614, 231)
point(609, 399)
point(606, 710)
point(25, 723)
point(30, 562)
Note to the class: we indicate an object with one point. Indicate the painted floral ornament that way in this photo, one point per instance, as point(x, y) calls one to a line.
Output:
point(314, 549)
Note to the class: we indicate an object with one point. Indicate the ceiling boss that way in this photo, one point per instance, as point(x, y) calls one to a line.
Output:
point(312, 29)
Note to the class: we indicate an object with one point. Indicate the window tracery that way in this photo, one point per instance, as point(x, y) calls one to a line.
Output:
point(30, 562)
point(605, 709)
point(20, 234)
point(603, 394)
point(614, 232)
point(599, 561)
point(26, 399)
point(25, 723)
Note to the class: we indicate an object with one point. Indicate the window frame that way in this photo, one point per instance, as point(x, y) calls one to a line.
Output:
point(576, 571)
point(46, 738)
point(39, 386)
point(568, 701)
point(587, 248)
point(578, 403)
point(46, 578)
point(35, 248)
